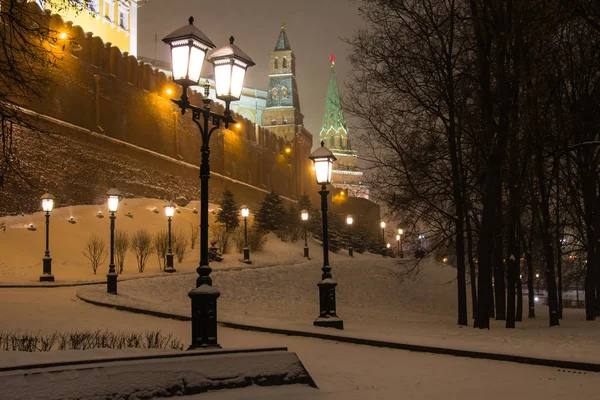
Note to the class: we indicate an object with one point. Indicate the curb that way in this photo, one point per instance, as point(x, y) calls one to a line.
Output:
point(576, 365)
point(131, 278)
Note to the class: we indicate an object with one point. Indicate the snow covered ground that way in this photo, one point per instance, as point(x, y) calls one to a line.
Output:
point(22, 250)
point(375, 299)
point(342, 371)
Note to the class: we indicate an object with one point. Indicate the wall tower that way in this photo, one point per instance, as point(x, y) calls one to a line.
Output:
point(334, 132)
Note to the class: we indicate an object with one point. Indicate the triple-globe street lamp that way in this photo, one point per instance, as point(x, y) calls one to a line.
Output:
point(189, 48)
point(47, 206)
point(113, 195)
point(304, 217)
point(349, 221)
point(245, 213)
point(323, 160)
point(169, 211)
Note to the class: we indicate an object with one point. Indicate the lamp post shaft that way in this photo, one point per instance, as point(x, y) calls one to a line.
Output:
point(328, 315)
point(401, 250)
point(350, 249)
point(204, 296)
point(111, 278)
point(246, 249)
point(305, 241)
point(170, 249)
point(47, 253)
point(326, 268)
point(169, 261)
point(47, 260)
point(399, 247)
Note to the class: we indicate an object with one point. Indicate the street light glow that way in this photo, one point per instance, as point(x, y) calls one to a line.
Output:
point(245, 211)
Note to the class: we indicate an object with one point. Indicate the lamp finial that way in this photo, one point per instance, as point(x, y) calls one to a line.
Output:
point(231, 39)
point(191, 20)
point(322, 143)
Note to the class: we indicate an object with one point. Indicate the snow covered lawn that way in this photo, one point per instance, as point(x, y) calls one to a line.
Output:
point(22, 250)
point(375, 301)
point(342, 371)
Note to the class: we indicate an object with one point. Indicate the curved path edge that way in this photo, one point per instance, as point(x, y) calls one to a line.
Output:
point(562, 364)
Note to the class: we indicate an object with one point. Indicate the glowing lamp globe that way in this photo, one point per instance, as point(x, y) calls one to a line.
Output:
point(398, 237)
point(170, 210)
point(382, 224)
point(113, 195)
point(323, 160)
point(389, 245)
point(245, 211)
point(349, 220)
point(189, 46)
point(230, 64)
point(304, 215)
point(400, 231)
point(47, 202)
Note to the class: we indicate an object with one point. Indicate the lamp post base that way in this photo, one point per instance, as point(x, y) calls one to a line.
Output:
point(169, 264)
point(330, 322)
point(204, 317)
point(47, 278)
point(111, 282)
point(328, 317)
point(351, 252)
point(47, 270)
point(246, 259)
point(306, 252)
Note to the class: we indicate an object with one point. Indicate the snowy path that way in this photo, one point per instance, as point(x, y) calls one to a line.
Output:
point(342, 371)
point(374, 300)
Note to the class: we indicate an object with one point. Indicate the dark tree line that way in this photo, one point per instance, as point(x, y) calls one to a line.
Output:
point(481, 123)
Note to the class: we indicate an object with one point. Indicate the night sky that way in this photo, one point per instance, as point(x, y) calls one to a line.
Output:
point(314, 29)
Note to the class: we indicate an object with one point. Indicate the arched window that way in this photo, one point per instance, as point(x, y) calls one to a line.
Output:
point(284, 90)
point(332, 142)
point(276, 63)
point(284, 63)
point(275, 93)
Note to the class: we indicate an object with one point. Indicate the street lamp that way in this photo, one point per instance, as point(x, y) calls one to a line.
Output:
point(398, 237)
point(47, 206)
point(400, 233)
point(304, 216)
point(170, 211)
point(245, 214)
point(349, 221)
point(189, 47)
point(113, 203)
point(323, 161)
point(537, 283)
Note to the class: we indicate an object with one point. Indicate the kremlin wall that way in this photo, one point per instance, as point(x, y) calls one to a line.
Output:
point(113, 124)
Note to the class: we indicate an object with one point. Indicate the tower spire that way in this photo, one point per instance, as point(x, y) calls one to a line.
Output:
point(333, 116)
point(283, 43)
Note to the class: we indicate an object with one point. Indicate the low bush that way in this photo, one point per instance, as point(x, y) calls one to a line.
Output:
point(161, 246)
point(179, 243)
point(17, 341)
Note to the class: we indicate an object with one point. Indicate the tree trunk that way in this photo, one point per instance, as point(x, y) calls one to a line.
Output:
point(498, 260)
point(471, 267)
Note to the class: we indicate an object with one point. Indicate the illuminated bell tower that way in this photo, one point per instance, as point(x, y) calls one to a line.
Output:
point(334, 132)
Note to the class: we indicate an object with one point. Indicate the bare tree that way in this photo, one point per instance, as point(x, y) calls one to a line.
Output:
point(95, 251)
point(141, 245)
point(121, 247)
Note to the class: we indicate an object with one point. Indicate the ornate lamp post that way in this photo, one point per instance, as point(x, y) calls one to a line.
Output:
point(245, 213)
point(189, 46)
point(47, 206)
point(400, 233)
point(169, 211)
point(349, 221)
point(398, 237)
point(323, 161)
point(304, 216)
point(113, 203)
